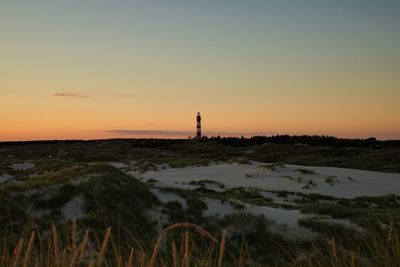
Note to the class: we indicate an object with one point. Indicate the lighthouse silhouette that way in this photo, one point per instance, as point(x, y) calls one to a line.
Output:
point(198, 133)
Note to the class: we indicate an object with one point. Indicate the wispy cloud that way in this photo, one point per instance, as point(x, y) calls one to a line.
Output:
point(69, 94)
point(148, 132)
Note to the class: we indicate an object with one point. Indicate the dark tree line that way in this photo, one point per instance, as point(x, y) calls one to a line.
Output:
point(313, 140)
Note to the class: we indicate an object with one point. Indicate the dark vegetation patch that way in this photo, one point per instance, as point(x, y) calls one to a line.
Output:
point(331, 209)
point(382, 202)
point(193, 213)
point(152, 181)
point(272, 166)
point(55, 198)
point(331, 180)
point(262, 242)
point(204, 183)
point(305, 171)
point(13, 213)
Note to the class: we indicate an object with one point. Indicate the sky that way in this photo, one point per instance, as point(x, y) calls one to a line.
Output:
point(108, 69)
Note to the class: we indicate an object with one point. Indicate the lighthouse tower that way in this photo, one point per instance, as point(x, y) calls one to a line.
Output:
point(198, 133)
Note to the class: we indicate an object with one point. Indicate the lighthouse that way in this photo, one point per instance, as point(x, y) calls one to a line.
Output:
point(198, 133)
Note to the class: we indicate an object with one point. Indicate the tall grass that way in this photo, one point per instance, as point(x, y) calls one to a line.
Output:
point(185, 245)
point(377, 243)
point(92, 251)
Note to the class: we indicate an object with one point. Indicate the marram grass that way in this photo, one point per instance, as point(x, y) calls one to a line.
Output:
point(187, 245)
point(33, 251)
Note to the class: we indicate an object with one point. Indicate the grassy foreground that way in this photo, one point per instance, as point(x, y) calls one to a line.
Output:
point(120, 221)
point(186, 244)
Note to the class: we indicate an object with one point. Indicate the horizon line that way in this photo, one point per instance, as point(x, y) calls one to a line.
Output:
point(187, 138)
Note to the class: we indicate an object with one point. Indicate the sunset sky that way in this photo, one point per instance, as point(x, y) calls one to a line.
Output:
point(101, 69)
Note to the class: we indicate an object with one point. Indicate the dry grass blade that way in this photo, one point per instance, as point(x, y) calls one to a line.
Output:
point(83, 245)
point(174, 254)
point(55, 246)
point(207, 256)
point(28, 250)
point(197, 228)
point(155, 251)
point(130, 260)
point(221, 248)
point(353, 260)
point(75, 256)
point(64, 258)
point(186, 255)
point(104, 247)
point(17, 252)
point(37, 262)
point(119, 260)
point(142, 258)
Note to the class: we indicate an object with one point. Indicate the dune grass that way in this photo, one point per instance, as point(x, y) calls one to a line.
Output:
point(185, 244)
point(181, 244)
point(109, 197)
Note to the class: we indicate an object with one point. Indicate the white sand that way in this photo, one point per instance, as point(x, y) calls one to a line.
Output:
point(118, 165)
point(362, 183)
point(73, 208)
point(5, 177)
point(166, 197)
point(23, 166)
point(216, 208)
